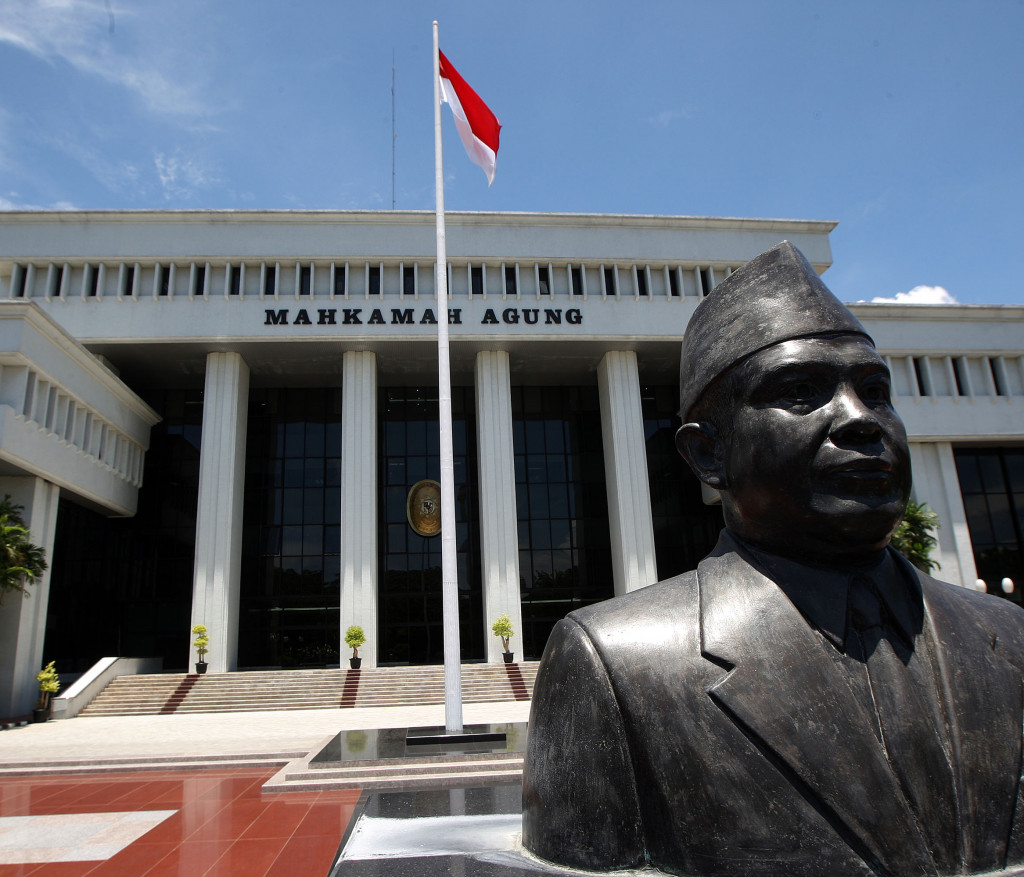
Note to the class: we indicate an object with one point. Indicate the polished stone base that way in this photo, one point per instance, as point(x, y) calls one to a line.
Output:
point(351, 747)
point(471, 832)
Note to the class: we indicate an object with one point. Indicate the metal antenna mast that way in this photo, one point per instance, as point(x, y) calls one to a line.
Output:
point(393, 135)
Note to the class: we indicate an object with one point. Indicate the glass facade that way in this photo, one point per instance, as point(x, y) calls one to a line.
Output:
point(124, 585)
point(685, 529)
point(992, 484)
point(564, 550)
point(291, 564)
point(409, 584)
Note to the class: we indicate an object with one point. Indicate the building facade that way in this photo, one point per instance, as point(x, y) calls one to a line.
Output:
point(217, 417)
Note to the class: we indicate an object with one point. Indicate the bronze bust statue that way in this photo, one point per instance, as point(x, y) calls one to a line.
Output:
point(805, 702)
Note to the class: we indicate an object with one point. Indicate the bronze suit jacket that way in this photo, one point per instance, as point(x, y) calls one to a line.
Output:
point(701, 726)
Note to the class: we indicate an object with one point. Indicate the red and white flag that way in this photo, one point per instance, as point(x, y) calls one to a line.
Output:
point(477, 125)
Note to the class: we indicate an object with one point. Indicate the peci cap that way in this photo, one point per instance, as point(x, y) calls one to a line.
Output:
point(775, 297)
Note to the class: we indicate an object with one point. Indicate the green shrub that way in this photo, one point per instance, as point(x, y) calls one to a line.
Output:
point(503, 627)
point(201, 643)
point(913, 537)
point(354, 638)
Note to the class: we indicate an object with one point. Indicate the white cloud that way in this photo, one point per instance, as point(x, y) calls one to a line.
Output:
point(667, 117)
point(181, 175)
point(8, 204)
point(80, 32)
point(920, 295)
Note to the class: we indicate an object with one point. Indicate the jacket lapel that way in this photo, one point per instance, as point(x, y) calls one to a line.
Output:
point(788, 690)
point(983, 699)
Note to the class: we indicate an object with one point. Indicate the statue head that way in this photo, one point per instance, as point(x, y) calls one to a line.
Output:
point(787, 412)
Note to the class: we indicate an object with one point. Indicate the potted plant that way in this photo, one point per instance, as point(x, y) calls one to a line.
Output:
point(49, 685)
point(354, 638)
point(502, 627)
point(201, 643)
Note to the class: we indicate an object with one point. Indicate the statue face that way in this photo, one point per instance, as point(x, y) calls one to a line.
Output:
point(817, 466)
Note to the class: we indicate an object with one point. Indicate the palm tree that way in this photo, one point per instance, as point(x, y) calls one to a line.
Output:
point(21, 562)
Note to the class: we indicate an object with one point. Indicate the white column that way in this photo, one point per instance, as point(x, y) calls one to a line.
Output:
point(625, 468)
point(936, 483)
point(23, 616)
point(359, 501)
point(215, 589)
point(499, 535)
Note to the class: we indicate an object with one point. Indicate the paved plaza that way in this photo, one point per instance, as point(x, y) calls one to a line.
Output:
point(116, 796)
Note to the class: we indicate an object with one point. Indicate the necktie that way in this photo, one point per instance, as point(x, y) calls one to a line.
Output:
point(910, 719)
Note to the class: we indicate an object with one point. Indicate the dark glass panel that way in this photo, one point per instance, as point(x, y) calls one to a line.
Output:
point(994, 512)
point(132, 577)
point(547, 424)
point(288, 608)
point(409, 592)
point(685, 529)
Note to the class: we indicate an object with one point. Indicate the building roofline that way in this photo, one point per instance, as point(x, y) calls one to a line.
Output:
point(938, 312)
point(405, 217)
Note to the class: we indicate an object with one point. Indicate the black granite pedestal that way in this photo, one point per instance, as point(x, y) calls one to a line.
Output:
point(462, 832)
point(470, 831)
point(386, 744)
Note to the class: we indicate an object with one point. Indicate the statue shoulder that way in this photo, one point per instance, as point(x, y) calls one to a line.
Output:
point(665, 612)
point(652, 601)
point(1001, 620)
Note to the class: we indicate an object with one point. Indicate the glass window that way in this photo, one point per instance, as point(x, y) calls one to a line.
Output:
point(577, 280)
point(409, 584)
point(544, 280)
point(990, 480)
point(289, 608)
point(685, 529)
point(132, 576)
point(554, 469)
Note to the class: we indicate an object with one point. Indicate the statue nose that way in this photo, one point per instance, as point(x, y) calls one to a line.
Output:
point(853, 417)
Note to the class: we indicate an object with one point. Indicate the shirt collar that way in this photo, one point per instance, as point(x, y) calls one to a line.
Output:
point(822, 595)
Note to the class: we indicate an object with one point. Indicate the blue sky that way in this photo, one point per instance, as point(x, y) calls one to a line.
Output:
point(903, 120)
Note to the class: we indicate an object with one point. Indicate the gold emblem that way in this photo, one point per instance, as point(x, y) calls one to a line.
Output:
point(423, 507)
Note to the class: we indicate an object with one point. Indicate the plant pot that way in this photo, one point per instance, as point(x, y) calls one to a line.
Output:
point(41, 714)
point(509, 657)
point(201, 667)
point(355, 663)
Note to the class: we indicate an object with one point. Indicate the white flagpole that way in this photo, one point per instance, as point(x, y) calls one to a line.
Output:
point(449, 563)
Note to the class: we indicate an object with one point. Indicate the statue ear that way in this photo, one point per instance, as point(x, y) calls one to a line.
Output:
point(703, 449)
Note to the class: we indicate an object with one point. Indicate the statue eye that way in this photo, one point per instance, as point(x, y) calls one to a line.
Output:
point(875, 392)
point(800, 391)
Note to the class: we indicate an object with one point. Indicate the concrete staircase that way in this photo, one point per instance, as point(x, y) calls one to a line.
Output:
point(245, 691)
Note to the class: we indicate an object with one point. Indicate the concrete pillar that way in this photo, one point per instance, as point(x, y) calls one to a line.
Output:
point(359, 477)
point(625, 466)
point(936, 483)
point(219, 516)
point(23, 616)
point(499, 535)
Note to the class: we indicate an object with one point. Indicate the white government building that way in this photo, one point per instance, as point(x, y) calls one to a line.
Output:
point(216, 417)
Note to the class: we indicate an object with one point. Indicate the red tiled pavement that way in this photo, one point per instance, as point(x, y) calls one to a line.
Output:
point(224, 825)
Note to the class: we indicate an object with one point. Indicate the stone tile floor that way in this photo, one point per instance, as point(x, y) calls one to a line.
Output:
point(161, 823)
point(221, 824)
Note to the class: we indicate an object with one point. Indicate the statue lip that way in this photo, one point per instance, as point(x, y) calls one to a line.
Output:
point(870, 474)
point(861, 465)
